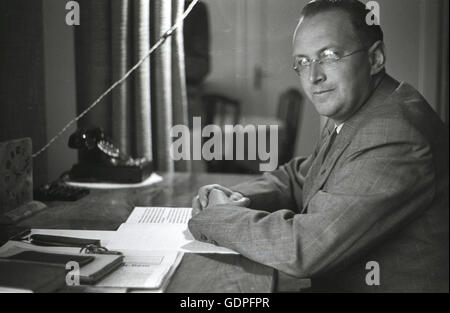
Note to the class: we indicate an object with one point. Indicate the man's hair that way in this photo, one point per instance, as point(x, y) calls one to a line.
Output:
point(357, 12)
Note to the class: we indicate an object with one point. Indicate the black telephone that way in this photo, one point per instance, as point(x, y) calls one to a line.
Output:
point(102, 161)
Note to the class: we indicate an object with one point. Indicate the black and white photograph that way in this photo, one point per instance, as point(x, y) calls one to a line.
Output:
point(224, 152)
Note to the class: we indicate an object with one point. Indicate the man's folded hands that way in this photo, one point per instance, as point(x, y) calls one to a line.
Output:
point(210, 196)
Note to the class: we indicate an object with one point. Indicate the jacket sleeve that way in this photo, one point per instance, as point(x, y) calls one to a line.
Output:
point(379, 188)
point(281, 188)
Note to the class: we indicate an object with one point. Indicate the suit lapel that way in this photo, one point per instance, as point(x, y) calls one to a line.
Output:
point(319, 172)
point(314, 171)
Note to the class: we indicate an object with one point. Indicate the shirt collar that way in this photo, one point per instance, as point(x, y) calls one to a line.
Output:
point(338, 127)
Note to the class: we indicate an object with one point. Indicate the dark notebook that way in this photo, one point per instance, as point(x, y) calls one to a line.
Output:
point(92, 267)
point(37, 277)
point(52, 258)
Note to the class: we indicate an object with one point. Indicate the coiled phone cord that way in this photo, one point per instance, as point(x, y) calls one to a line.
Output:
point(161, 40)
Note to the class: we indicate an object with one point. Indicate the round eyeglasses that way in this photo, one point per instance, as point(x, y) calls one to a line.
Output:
point(328, 60)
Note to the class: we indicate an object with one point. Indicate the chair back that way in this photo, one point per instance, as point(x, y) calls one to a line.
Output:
point(221, 110)
point(290, 109)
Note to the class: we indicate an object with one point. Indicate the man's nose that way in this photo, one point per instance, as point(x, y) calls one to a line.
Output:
point(316, 74)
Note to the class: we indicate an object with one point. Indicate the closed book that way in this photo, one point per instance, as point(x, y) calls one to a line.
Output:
point(51, 258)
point(102, 265)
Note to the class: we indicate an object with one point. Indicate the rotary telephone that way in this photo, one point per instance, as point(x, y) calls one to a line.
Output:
point(101, 161)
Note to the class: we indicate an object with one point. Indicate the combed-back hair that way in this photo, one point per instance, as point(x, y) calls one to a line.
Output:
point(357, 12)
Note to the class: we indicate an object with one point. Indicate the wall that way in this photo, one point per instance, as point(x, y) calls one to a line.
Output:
point(59, 85)
point(282, 18)
point(411, 38)
point(250, 36)
point(22, 106)
point(237, 45)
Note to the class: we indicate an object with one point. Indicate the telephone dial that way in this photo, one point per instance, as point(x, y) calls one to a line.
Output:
point(101, 161)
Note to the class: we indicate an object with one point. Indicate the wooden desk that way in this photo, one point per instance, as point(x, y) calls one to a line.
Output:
point(107, 209)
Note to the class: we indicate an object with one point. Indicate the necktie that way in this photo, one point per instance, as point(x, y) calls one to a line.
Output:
point(328, 144)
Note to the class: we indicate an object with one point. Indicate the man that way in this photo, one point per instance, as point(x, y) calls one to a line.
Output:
point(375, 188)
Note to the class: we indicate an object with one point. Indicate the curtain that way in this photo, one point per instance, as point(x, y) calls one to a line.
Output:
point(22, 85)
point(443, 107)
point(179, 89)
point(139, 113)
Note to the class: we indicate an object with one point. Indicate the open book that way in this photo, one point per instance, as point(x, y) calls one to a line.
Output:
point(160, 229)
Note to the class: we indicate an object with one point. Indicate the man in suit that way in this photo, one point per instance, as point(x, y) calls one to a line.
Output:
point(375, 188)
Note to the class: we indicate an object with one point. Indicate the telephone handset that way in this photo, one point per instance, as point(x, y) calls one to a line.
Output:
point(95, 147)
point(101, 160)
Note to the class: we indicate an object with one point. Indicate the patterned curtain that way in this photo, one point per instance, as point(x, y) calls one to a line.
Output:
point(138, 114)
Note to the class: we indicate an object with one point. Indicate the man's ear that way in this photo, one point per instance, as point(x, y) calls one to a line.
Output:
point(377, 57)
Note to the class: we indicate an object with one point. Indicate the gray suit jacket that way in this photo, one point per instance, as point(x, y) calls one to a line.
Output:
point(380, 194)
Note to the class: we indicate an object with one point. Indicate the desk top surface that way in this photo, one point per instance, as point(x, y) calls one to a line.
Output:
point(107, 209)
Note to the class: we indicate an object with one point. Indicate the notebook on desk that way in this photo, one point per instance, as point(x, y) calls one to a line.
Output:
point(50, 258)
point(22, 276)
point(93, 267)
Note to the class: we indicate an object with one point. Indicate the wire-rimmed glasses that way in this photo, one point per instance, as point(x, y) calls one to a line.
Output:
point(328, 60)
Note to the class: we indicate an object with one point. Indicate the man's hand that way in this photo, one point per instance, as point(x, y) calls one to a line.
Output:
point(217, 197)
point(201, 201)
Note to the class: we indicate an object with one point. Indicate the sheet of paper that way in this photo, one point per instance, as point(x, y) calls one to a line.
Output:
point(14, 290)
point(159, 215)
point(142, 270)
point(160, 228)
point(169, 237)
